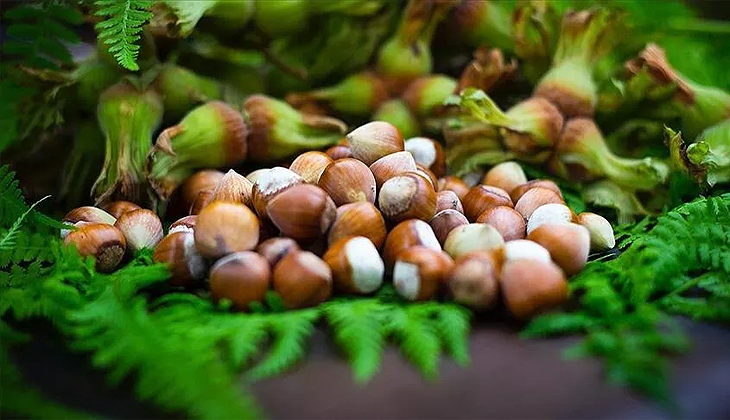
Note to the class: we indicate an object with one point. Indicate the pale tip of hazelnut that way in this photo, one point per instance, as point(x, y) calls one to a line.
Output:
point(521, 249)
point(599, 229)
point(472, 237)
point(406, 279)
point(506, 175)
point(553, 213)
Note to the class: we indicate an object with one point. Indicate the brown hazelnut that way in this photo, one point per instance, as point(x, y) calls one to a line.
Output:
point(348, 181)
point(427, 152)
point(117, 208)
point(204, 198)
point(302, 279)
point(243, 277)
point(599, 229)
point(452, 183)
point(274, 249)
point(141, 228)
point(407, 196)
point(233, 188)
point(205, 180)
point(303, 212)
point(520, 190)
point(474, 280)
point(567, 243)
point(426, 173)
point(223, 228)
point(271, 183)
point(309, 165)
point(448, 200)
point(534, 198)
point(506, 175)
point(87, 214)
point(405, 235)
point(483, 197)
point(177, 250)
point(508, 222)
point(99, 240)
point(530, 287)
point(356, 265)
point(472, 237)
point(339, 151)
point(419, 272)
point(374, 140)
point(358, 219)
point(445, 221)
point(392, 165)
point(184, 224)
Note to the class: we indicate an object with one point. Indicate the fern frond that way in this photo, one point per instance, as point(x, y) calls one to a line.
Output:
point(8, 239)
point(12, 204)
point(419, 340)
point(452, 323)
point(120, 30)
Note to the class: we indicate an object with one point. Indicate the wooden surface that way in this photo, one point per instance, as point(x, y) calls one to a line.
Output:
point(508, 378)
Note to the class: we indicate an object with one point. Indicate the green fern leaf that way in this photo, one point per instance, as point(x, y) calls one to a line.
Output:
point(452, 323)
point(120, 31)
point(418, 339)
point(8, 239)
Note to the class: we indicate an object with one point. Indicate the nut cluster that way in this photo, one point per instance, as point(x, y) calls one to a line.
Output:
point(341, 221)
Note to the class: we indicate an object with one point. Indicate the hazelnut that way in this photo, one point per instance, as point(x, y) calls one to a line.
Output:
point(271, 183)
point(141, 228)
point(233, 188)
point(374, 140)
point(184, 224)
point(448, 200)
point(508, 222)
point(474, 280)
point(483, 197)
point(534, 198)
point(506, 175)
point(471, 179)
point(348, 181)
point(302, 279)
point(427, 152)
point(567, 243)
point(599, 229)
point(530, 287)
point(223, 228)
point(102, 241)
point(356, 265)
point(426, 173)
point(552, 213)
point(445, 221)
point(274, 249)
point(472, 237)
point(178, 251)
point(452, 183)
point(117, 208)
point(243, 277)
point(267, 230)
point(339, 151)
point(358, 219)
point(420, 272)
point(204, 198)
point(520, 190)
point(405, 235)
point(309, 165)
point(392, 165)
point(303, 212)
point(524, 249)
point(87, 214)
point(407, 196)
point(205, 180)
point(254, 176)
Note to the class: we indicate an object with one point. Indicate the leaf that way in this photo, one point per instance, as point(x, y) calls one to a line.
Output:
point(123, 22)
point(452, 322)
point(558, 324)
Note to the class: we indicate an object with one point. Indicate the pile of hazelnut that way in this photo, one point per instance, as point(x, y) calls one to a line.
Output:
point(338, 221)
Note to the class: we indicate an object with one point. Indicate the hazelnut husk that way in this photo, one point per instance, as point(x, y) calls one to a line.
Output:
point(358, 219)
point(419, 273)
point(303, 212)
point(223, 228)
point(356, 265)
point(177, 250)
point(508, 222)
point(99, 240)
point(302, 279)
point(348, 181)
point(407, 196)
point(243, 277)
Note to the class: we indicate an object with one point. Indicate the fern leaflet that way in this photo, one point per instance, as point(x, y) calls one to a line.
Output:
point(120, 31)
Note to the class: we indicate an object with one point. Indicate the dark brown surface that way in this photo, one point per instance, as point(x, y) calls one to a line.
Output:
point(508, 378)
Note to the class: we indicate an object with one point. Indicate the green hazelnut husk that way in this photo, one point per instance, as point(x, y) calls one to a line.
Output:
point(425, 96)
point(396, 112)
point(182, 90)
point(486, 70)
point(357, 95)
point(481, 23)
point(278, 131)
point(281, 18)
point(128, 118)
point(210, 136)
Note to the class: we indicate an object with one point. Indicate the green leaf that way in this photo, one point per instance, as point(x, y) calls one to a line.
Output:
point(124, 21)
